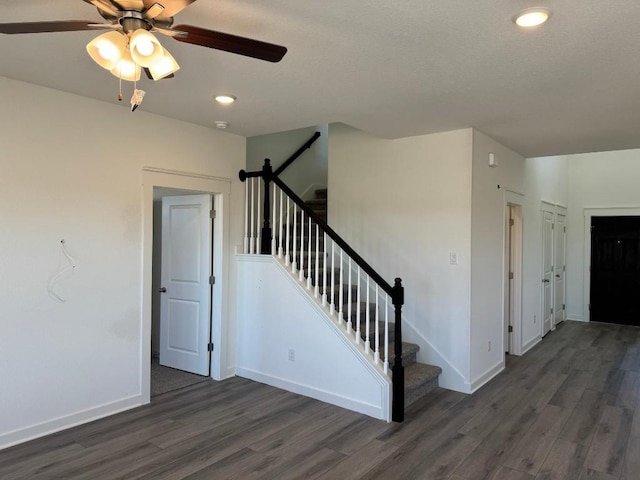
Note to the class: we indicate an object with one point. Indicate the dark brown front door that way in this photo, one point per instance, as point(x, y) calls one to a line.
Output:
point(615, 270)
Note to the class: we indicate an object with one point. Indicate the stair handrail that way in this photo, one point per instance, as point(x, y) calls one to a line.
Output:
point(396, 292)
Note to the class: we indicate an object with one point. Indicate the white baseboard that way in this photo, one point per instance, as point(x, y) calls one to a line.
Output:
point(530, 344)
point(62, 423)
point(374, 411)
point(486, 376)
point(576, 318)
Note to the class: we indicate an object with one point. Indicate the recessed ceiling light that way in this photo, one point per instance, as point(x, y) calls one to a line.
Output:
point(532, 17)
point(221, 124)
point(225, 99)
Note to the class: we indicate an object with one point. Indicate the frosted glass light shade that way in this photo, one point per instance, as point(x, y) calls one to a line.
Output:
point(107, 49)
point(164, 67)
point(127, 69)
point(145, 48)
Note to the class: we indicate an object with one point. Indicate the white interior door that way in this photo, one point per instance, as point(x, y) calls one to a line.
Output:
point(560, 243)
point(547, 271)
point(185, 306)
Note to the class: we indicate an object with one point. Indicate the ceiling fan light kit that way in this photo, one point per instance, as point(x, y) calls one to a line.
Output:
point(130, 46)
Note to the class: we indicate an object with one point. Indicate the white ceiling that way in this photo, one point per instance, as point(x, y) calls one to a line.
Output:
point(394, 69)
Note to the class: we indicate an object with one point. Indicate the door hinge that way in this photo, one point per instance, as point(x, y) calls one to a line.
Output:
point(565, 229)
point(510, 275)
point(553, 226)
point(212, 280)
point(552, 267)
point(510, 328)
point(564, 268)
point(563, 307)
point(212, 214)
point(511, 222)
point(210, 347)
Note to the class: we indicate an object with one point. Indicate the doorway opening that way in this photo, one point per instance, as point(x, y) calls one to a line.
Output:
point(181, 289)
point(512, 298)
point(163, 183)
point(615, 270)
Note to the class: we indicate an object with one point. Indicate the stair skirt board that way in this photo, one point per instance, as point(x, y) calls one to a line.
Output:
point(277, 315)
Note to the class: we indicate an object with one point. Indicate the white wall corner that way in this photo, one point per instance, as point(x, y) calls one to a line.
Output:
point(486, 376)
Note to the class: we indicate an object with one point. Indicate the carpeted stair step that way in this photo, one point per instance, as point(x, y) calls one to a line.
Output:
point(419, 379)
point(409, 352)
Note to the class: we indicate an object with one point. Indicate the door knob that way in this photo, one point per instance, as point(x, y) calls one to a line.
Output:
point(546, 280)
point(163, 290)
point(557, 276)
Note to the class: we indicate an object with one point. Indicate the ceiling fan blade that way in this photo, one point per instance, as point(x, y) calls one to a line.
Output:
point(231, 43)
point(171, 7)
point(40, 27)
point(105, 6)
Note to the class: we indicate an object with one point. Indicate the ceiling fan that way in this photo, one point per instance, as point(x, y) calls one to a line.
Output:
point(130, 46)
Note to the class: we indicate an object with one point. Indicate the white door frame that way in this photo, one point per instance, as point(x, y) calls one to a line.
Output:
point(220, 189)
point(514, 199)
point(546, 207)
point(560, 210)
point(586, 274)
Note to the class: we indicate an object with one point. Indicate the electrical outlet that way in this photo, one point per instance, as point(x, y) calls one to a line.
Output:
point(453, 258)
point(489, 346)
point(292, 355)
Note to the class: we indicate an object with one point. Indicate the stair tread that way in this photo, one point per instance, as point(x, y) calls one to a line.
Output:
point(419, 374)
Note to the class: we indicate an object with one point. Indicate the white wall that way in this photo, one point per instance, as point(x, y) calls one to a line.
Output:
point(276, 315)
point(70, 168)
point(596, 181)
point(404, 205)
point(487, 252)
point(304, 175)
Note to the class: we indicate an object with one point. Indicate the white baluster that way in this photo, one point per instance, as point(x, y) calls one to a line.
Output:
point(281, 231)
point(246, 215)
point(274, 224)
point(358, 306)
point(324, 265)
point(386, 334)
point(332, 307)
point(367, 329)
point(252, 237)
point(309, 258)
point(302, 245)
point(258, 217)
point(288, 244)
point(341, 292)
point(376, 355)
point(349, 322)
point(295, 227)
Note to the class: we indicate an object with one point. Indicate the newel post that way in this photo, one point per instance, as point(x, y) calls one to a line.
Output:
point(397, 409)
point(265, 241)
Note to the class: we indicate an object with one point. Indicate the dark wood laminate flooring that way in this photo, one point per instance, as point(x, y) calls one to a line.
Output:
point(568, 409)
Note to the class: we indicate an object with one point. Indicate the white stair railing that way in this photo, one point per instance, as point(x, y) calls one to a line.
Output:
point(288, 227)
point(322, 267)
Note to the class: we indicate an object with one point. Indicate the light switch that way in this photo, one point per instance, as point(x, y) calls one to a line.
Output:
point(453, 258)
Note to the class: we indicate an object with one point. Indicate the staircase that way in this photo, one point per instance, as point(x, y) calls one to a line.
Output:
point(420, 378)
